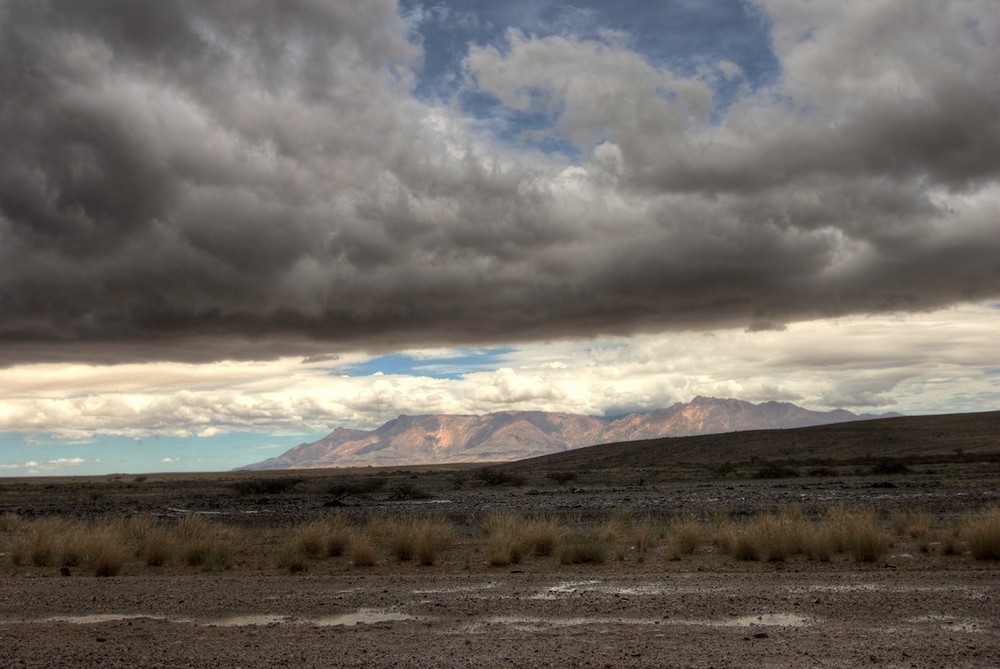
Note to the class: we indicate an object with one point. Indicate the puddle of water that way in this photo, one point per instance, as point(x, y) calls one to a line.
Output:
point(764, 619)
point(359, 617)
point(951, 624)
point(98, 618)
point(534, 624)
point(457, 589)
point(968, 591)
point(246, 512)
point(574, 587)
point(249, 621)
point(362, 617)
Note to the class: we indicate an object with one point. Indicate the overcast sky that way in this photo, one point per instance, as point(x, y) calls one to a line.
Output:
point(229, 227)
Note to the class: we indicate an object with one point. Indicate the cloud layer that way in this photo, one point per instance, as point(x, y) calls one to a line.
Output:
point(878, 364)
point(198, 181)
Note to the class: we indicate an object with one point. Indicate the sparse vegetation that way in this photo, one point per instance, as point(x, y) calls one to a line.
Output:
point(889, 467)
point(265, 486)
point(776, 472)
point(683, 537)
point(581, 548)
point(369, 531)
point(364, 552)
point(293, 557)
point(497, 476)
point(981, 533)
point(562, 478)
point(405, 490)
point(205, 544)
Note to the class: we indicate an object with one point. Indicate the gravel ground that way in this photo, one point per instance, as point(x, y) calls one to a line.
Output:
point(702, 611)
point(799, 615)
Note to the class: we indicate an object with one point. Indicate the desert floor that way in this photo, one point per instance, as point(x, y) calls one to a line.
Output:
point(910, 608)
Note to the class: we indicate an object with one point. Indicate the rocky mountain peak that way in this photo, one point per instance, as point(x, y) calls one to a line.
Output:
point(514, 435)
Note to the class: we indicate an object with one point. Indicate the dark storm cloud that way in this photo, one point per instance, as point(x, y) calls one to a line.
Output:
point(189, 180)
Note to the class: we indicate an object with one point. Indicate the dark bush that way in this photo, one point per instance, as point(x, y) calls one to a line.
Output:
point(266, 486)
point(407, 491)
point(889, 466)
point(776, 472)
point(562, 478)
point(494, 476)
point(355, 487)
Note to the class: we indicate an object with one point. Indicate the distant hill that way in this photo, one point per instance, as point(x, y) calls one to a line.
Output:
point(516, 435)
point(949, 436)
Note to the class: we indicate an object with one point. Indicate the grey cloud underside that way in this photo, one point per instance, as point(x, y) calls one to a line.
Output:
point(191, 180)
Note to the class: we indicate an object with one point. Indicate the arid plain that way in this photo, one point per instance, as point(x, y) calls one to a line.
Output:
point(841, 546)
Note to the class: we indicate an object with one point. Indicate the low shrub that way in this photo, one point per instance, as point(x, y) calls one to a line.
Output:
point(776, 472)
point(562, 478)
point(495, 476)
point(889, 466)
point(265, 486)
point(405, 491)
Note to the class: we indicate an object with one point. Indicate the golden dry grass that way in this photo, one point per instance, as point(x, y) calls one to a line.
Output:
point(114, 545)
point(981, 533)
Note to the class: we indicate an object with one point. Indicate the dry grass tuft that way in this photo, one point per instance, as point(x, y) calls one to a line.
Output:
point(981, 533)
point(511, 537)
point(431, 537)
point(105, 549)
point(153, 543)
point(11, 523)
point(421, 539)
point(819, 542)
point(292, 557)
point(311, 540)
point(581, 548)
point(364, 551)
point(338, 539)
point(863, 536)
point(505, 543)
point(683, 537)
point(205, 544)
point(644, 535)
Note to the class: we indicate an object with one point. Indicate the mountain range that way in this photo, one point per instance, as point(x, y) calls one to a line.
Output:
point(515, 435)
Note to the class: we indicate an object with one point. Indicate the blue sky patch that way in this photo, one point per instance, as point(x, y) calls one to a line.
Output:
point(682, 35)
point(448, 367)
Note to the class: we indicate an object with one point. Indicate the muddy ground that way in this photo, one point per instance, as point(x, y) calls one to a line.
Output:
point(704, 610)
